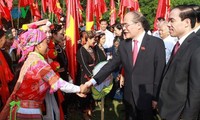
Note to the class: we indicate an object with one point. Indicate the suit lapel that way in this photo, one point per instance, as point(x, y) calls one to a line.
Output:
point(141, 52)
point(180, 52)
point(129, 53)
point(198, 33)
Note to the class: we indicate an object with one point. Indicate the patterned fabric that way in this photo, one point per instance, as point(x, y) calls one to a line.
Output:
point(37, 78)
point(28, 40)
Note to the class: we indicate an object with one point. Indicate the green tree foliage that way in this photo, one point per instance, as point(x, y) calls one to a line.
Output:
point(147, 7)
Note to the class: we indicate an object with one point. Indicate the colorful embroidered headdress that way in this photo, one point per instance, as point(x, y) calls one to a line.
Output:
point(28, 41)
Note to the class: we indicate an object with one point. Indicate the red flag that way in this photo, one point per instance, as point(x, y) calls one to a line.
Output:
point(99, 9)
point(44, 5)
point(80, 9)
point(9, 4)
point(35, 11)
point(112, 12)
point(57, 10)
point(1, 25)
point(163, 10)
point(4, 11)
point(131, 4)
point(52, 4)
point(24, 3)
point(89, 15)
point(72, 33)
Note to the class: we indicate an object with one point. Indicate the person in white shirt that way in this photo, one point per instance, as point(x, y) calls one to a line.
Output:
point(159, 21)
point(109, 35)
point(168, 40)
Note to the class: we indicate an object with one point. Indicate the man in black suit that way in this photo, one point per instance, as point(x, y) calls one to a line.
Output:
point(143, 75)
point(180, 90)
point(197, 25)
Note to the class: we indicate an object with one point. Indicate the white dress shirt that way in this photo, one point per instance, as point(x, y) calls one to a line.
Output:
point(169, 45)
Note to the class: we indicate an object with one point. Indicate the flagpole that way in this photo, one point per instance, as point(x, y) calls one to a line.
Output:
point(18, 17)
point(12, 21)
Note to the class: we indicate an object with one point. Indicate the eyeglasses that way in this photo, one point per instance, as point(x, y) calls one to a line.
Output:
point(126, 24)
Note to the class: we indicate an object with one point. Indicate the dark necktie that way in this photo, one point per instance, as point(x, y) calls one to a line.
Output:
point(135, 51)
point(176, 47)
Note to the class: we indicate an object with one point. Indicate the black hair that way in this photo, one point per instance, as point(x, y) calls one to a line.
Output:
point(196, 9)
point(98, 36)
point(118, 26)
point(103, 20)
point(90, 35)
point(161, 19)
point(187, 12)
point(56, 28)
point(2, 33)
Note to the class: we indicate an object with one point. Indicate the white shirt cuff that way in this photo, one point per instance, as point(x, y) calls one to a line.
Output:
point(93, 81)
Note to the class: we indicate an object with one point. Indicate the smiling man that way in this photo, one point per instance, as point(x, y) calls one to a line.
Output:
point(180, 92)
point(143, 59)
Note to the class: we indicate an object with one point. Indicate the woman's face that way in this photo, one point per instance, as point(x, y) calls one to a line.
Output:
point(2, 41)
point(102, 40)
point(117, 32)
point(42, 47)
point(91, 42)
point(59, 37)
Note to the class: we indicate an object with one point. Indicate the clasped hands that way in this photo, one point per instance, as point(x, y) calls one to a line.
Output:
point(84, 89)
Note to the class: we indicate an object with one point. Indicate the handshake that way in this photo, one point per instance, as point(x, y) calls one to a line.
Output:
point(84, 89)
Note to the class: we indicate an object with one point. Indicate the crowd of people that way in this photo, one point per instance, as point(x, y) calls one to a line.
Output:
point(156, 72)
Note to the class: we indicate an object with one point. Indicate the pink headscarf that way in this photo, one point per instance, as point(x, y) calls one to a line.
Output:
point(28, 41)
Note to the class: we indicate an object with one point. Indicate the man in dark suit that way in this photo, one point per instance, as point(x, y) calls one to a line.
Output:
point(142, 75)
point(197, 25)
point(180, 90)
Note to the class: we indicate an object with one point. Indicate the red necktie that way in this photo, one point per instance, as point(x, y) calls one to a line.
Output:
point(135, 51)
point(176, 47)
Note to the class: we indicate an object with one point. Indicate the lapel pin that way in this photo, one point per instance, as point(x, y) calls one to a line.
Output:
point(142, 48)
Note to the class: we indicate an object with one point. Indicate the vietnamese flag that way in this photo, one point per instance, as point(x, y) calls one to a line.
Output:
point(72, 34)
point(80, 9)
point(44, 5)
point(130, 4)
point(163, 10)
point(9, 4)
point(89, 15)
point(99, 9)
point(4, 11)
point(57, 10)
point(52, 4)
point(112, 12)
point(35, 11)
point(24, 3)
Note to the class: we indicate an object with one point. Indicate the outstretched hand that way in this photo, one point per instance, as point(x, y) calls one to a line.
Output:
point(84, 89)
point(81, 95)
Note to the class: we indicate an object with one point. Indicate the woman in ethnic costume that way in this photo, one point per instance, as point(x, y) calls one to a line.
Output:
point(35, 79)
point(86, 59)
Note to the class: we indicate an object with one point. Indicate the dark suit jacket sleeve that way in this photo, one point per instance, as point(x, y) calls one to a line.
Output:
point(159, 65)
point(108, 68)
point(193, 101)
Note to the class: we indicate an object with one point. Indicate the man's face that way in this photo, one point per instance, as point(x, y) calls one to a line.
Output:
point(176, 26)
point(163, 31)
point(103, 25)
point(130, 26)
